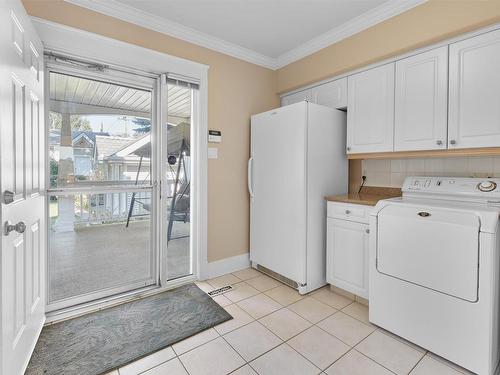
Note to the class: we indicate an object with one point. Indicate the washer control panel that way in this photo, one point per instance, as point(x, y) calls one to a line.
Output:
point(487, 185)
point(483, 187)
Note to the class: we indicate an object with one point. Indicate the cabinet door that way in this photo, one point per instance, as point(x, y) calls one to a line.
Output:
point(370, 110)
point(332, 94)
point(347, 256)
point(421, 102)
point(474, 107)
point(297, 97)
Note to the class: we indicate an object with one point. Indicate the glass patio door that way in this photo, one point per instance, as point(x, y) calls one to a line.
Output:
point(178, 179)
point(102, 195)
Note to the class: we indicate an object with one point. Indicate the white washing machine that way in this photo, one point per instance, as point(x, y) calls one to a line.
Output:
point(434, 268)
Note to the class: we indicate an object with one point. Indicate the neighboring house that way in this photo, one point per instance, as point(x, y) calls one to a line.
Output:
point(95, 156)
point(124, 162)
point(99, 156)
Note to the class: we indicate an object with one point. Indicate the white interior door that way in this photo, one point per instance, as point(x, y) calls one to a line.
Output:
point(22, 182)
point(278, 191)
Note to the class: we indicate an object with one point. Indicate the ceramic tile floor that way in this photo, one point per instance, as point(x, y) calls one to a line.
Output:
point(277, 331)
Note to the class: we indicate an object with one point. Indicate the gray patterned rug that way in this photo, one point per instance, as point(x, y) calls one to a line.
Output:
point(102, 341)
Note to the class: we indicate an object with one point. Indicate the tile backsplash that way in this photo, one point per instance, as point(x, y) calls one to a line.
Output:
point(392, 172)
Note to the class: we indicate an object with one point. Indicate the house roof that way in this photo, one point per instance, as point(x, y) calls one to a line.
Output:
point(142, 146)
point(139, 147)
point(107, 145)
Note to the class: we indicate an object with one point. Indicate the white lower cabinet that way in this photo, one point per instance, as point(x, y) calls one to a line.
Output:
point(347, 250)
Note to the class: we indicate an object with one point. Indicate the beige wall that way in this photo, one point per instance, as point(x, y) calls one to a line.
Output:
point(426, 24)
point(236, 90)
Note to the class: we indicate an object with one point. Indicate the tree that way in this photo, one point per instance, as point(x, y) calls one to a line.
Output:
point(54, 171)
point(78, 122)
point(144, 125)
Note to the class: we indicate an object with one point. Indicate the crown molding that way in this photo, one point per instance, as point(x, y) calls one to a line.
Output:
point(368, 19)
point(150, 21)
point(80, 44)
point(362, 22)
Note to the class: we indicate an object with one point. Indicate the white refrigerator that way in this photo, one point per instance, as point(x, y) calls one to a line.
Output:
point(298, 155)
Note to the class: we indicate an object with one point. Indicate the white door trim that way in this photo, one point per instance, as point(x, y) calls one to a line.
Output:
point(81, 44)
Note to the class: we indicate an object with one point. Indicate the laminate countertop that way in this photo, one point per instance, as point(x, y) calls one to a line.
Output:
point(368, 195)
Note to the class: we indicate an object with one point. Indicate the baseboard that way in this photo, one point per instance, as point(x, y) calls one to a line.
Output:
point(227, 265)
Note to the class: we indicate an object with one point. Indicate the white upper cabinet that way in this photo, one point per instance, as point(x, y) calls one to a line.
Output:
point(421, 103)
point(297, 97)
point(332, 94)
point(474, 105)
point(370, 110)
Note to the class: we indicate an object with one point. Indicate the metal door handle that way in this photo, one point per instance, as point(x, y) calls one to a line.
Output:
point(8, 197)
point(250, 177)
point(19, 227)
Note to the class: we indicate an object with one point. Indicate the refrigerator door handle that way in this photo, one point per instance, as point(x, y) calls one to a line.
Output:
point(250, 176)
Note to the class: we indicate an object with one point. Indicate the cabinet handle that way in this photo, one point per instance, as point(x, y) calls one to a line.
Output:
point(347, 212)
point(453, 142)
point(348, 149)
point(439, 142)
point(367, 231)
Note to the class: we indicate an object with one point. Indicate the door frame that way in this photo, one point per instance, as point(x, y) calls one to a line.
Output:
point(83, 45)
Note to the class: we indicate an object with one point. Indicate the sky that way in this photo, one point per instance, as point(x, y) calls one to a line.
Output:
point(112, 124)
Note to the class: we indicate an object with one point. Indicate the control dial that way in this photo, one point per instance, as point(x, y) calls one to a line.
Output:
point(487, 185)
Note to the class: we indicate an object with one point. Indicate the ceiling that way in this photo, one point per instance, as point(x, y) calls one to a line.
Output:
point(269, 27)
point(272, 33)
point(82, 96)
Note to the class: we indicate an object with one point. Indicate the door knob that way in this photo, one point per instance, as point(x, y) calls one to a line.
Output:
point(439, 142)
point(8, 197)
point(19, 227)
point(453, 142)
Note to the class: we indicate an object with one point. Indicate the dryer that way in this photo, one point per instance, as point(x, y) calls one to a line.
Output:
point(434, 268)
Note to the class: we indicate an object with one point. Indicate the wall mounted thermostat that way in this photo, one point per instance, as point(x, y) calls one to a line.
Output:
point(213, 153)
point(215, 136)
